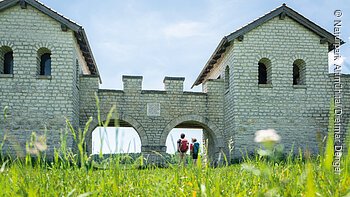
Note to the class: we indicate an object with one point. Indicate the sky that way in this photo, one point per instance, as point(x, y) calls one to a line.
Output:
point(126, 140)
point(158, 38)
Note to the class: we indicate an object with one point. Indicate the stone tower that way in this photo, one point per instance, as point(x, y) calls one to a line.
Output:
point(276, 76)
point(42, 55)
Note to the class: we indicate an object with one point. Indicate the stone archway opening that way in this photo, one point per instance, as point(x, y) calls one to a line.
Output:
point(117, 138)
point(194, 128)
point(190, 133)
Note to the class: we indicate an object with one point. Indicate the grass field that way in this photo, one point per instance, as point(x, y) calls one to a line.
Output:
point(254, 177)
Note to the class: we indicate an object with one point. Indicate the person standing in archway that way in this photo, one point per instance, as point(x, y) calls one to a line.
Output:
point(194, 149)
point(182, 148)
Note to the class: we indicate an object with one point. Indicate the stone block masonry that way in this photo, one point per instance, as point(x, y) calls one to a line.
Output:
point(153, 113)
point(298, 112)
point(36, 103)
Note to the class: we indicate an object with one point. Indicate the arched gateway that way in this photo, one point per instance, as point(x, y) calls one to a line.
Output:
point(211, 132)
point(153, 114)
point(122, 120)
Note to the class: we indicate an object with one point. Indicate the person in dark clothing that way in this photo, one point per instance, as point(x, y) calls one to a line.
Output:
point(194, 148)
point(182, 147)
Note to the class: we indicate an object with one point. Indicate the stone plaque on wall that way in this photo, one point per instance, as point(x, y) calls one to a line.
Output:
point(153, 109)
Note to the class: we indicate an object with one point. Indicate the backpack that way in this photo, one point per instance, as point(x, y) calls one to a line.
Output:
point(183, 145)
point(195, 148)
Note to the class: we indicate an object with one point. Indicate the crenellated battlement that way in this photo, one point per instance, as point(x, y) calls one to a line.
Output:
point(174, 84)
point(132, 83)
point(154, 113)
point(213, 85)
point(171, 85)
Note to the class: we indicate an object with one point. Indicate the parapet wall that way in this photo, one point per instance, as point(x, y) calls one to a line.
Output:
point(154, 113)
point(134, 83)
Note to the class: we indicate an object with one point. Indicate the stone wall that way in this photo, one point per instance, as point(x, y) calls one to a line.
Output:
point(296, 112)
point(36, 103)
point(88, 87)
point(154, 113)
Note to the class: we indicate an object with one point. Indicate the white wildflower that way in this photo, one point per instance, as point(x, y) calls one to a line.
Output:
point(231, 144)
point(268, 135)
point(203, 190)
point(40, 146)
point(264, 152)
point(40, 143)
point(251, 168)
point(2, 169)
point(37, 145)
point(32, 150)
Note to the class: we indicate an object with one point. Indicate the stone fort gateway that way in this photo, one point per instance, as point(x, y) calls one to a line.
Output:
point(271, 73)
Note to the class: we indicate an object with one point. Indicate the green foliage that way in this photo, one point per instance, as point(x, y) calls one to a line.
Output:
point(5, 133)
point(257, 178)
point(310, 185)
point(329, 153)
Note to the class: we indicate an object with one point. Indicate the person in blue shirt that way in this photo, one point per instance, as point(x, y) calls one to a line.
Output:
point(194, 149)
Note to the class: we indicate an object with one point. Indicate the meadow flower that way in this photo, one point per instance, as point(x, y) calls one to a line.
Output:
point(32, 150)
point(267, 138)
point(2, 169)
point(268, 135)
point(203, 190)
point(250, 168)
point(231, 144)
point(38, 145)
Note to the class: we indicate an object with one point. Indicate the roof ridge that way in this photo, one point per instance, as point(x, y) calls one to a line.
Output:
point(252, 21)
point(58, 13)
point(65, 22)
point(280, 11)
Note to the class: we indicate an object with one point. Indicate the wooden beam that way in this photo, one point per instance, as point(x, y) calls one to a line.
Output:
point(84, 48)
point(23, 4)
point(64, 27)
point(212, 61)
point(222, 50)
point(87, 57)
point(79, 37)
point(240, 38)
point(323, 40)
point(85, 53)
point(217, 56)
point(227, 44)
point(282, 16)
